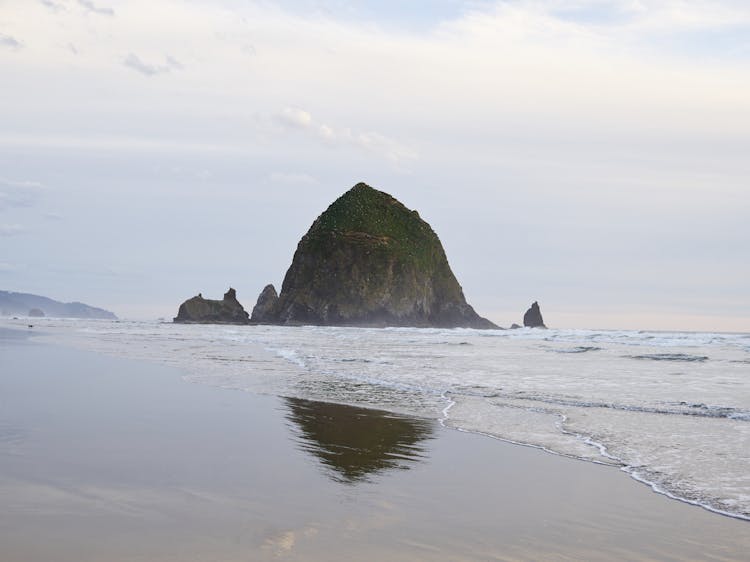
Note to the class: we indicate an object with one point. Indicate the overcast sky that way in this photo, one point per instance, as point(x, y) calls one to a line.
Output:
point(592, 155)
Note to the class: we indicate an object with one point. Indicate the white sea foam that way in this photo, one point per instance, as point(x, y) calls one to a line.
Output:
point(672, 409)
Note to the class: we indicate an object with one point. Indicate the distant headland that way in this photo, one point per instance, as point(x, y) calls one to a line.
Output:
point(37, 306)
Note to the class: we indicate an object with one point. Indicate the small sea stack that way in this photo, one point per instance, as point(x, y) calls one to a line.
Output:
point(264, 307)
point(533, 317)
point(198, 310)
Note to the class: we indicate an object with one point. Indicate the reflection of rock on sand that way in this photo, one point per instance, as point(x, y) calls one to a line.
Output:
point(354, 443)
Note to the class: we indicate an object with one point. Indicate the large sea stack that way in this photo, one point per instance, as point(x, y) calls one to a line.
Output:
point(370, 261)
point(198, 310)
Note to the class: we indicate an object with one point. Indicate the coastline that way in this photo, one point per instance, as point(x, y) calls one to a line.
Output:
point(121, 459)
point(616, 463)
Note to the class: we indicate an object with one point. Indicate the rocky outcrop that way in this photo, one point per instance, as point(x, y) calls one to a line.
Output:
point(370, 261)
point(36, 313)
point(263, 311)
point(533, 317)
point(198, 310)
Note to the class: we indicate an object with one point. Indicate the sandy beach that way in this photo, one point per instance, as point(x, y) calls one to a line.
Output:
point(111, 459)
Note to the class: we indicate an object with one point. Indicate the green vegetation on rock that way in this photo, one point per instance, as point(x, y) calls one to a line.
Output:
point(373, 218)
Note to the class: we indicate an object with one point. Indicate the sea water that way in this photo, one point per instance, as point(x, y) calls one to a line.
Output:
point(671, 409)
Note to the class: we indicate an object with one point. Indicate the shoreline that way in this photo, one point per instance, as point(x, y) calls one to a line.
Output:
point(617, 464)
point(264, 470)
point(443, 420)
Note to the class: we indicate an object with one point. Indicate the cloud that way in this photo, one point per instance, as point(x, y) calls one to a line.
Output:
point(7, 230)
point(10, 42)
point(292, 179)
point(22, 184)
point(9, 267)
point(295, 117)
point(134, 62)
point(299, 119)
point(173, 63)
point(15, 193)
point(93, 8)
point(54, 6)
point(623, 22)
point(240, 40)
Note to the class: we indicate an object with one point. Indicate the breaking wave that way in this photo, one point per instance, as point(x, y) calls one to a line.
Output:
point(671, 357)
point(578, 349)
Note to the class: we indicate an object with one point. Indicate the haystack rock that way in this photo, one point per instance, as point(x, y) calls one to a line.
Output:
point(205, 311)
point(263, 309)
point(370, 261)
point(533, 317)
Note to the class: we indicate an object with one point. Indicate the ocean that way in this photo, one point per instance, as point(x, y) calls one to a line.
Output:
point(672, 409)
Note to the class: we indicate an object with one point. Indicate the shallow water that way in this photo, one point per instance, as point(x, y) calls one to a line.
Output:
point(672, 409)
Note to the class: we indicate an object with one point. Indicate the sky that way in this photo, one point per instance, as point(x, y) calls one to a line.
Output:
point(592, 155)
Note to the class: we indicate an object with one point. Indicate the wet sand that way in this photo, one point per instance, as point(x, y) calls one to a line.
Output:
point(110, 459)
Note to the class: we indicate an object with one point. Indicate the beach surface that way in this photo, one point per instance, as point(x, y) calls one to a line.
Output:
point(114, 459)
